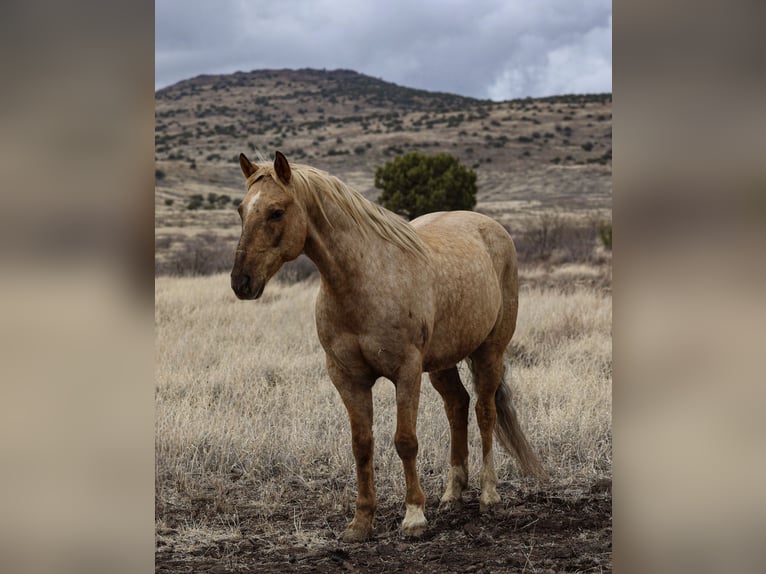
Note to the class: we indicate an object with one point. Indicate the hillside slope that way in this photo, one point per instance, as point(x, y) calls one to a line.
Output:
point(531, 154)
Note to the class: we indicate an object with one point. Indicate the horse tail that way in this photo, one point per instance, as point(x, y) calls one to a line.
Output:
point(509, 434)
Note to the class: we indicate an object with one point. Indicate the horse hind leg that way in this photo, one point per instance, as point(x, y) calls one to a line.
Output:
point(495, 414)
point(456, 403)
point(488, 374)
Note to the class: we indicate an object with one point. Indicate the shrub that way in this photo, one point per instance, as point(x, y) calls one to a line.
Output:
point(203, 254)
point(415, 183)
point(195, 201)
point(551, 233)
point(208, 253)
point(605, 233)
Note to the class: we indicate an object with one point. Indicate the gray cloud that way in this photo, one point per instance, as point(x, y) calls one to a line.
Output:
point(498, 49)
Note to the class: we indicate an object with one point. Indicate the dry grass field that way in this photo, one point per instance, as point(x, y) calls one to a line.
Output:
point(254, 462)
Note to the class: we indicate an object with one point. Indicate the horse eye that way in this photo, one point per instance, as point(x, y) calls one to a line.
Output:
point(276, 215)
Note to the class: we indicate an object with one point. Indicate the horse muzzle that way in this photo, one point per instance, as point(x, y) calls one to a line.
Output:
point(245, 288)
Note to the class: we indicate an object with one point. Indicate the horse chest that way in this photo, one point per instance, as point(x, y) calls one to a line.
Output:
point(371, 343)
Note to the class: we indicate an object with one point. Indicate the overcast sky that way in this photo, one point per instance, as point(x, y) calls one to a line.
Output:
point(497, 49)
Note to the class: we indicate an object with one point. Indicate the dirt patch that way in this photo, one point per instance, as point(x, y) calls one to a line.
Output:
point(555, 529)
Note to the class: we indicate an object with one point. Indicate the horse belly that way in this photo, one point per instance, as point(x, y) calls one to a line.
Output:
point(467, 310)
point(469, 255)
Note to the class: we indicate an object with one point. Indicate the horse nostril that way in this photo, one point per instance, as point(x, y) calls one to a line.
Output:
point(240, 283)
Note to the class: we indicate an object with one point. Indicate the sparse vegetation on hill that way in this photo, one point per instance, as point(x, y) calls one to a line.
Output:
point(348, 122)
point(531, 156)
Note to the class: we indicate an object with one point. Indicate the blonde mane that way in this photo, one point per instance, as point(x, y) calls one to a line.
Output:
point(315, 187)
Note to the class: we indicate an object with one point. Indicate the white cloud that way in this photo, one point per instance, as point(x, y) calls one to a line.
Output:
point(581, 65)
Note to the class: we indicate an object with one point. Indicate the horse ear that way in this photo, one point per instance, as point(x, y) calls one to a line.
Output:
point(248, 168)
point(282, 168)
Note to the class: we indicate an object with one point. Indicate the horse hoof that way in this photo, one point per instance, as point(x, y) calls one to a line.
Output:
point(489, 502)
point(414, 524)
point(414, 530)
point(355, 535)
point(489, 505)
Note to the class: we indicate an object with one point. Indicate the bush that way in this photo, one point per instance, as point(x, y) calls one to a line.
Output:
point(551, 235)
point(203, 254)
point(208, 253)
point(213, 201)
point(605, 233)
point(415, 183)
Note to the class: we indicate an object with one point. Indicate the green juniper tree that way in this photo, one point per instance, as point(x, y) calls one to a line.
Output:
point(415, 183)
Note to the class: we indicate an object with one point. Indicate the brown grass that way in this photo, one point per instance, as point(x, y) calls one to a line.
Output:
point(242, 393)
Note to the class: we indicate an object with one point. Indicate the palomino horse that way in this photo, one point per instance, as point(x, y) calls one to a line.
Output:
point(396, 299)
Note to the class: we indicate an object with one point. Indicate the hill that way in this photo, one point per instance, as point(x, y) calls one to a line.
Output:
point(531, 155)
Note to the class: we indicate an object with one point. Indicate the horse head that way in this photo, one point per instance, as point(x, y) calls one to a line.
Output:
point(274, 226)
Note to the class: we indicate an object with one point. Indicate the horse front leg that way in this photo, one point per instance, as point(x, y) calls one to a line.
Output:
point(406, 441)
point(357, 397)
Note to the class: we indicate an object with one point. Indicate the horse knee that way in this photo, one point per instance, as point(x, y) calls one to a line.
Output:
point(463, 401)
point(486, 412)
point(362, 446)
point(485, 403)
point(406, 445)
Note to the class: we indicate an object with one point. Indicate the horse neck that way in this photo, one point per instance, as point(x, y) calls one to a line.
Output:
point(341, 251)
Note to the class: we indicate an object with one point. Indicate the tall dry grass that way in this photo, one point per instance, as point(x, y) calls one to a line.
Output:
point(242, 392)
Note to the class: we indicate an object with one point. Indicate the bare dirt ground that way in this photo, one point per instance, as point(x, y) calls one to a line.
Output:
point(539, 528)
